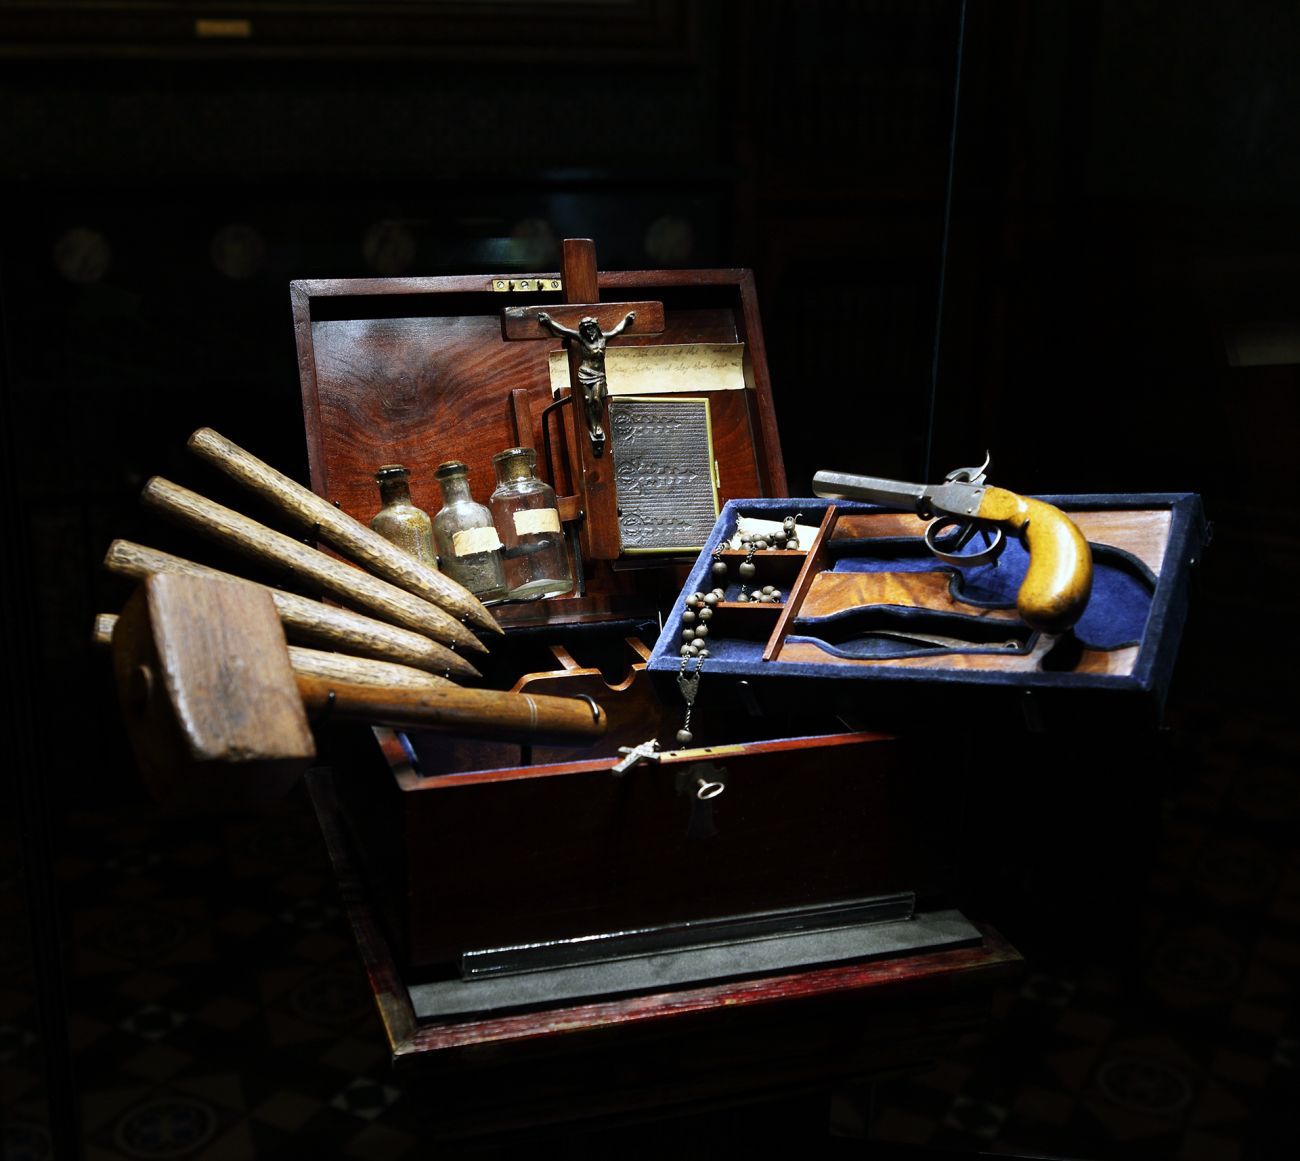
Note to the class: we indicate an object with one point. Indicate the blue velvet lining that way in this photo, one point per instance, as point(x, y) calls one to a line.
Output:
point(1116, 614)
point(858, 632)
point(1128, 606)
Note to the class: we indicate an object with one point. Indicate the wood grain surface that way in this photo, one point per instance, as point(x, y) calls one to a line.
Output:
point(816, 560)
point(207, 693)
point(520, 322)
point(835, 592)
point(878, 525)
point(355, 540)
point(803, 1027)
point(306, 620)
point(415, 371)
point(636, 711)
point(606, 852)
point(473, 713)
point(1111, 662)
point(378, 597)
point(1142, 532)
point(324, 665)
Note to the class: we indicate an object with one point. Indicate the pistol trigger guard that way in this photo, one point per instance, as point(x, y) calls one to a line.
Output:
point(991, 551)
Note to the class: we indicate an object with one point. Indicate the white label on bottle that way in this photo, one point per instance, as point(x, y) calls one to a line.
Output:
point(475, 540)
point(531, 522)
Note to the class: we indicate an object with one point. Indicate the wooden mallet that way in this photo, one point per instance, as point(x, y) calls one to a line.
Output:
point(219, 718)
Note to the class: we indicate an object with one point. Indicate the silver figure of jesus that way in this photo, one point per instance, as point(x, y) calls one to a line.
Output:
point(591, 367)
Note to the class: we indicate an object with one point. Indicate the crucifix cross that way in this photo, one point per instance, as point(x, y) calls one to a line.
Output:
point(585, 323)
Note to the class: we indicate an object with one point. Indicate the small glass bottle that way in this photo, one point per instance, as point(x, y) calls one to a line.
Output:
point(467, 540)
point(399, 520)
point(529, 524)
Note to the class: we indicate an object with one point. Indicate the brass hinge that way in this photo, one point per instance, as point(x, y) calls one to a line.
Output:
point(527, 285)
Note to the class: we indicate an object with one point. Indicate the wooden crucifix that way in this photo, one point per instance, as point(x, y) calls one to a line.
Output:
point(585, 323)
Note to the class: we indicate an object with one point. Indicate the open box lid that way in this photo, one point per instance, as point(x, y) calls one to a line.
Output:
point(422, 370)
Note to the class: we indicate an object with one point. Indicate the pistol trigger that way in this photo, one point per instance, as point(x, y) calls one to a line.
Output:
point(967, 530)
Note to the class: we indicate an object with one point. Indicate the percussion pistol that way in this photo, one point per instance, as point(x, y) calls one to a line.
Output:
point(1058, 581)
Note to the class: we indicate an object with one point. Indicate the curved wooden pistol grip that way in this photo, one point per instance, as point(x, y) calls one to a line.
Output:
point(1058, 582)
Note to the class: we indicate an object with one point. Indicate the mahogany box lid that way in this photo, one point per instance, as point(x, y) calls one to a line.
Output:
point(422, 370)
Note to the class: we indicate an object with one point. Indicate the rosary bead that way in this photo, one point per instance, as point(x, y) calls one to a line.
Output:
point(688, 617)
point(719, 568)
point(706, 614)
point(686, 651)
point(685, 737)
point(711, 600)
point(747, 570)
point(701, 631)
point(688, 634)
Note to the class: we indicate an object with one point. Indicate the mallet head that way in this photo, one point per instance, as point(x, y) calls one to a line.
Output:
point(207, 693)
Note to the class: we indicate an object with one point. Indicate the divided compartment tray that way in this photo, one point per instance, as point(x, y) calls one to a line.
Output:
point(866, 597)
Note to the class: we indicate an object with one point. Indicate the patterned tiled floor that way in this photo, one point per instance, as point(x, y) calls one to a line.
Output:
point(219, 1012)
point(1180, 1044)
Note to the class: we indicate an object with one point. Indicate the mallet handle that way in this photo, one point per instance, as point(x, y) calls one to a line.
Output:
point(475, 713)
point(343, 532)
point(310, 622)
point(349, 584)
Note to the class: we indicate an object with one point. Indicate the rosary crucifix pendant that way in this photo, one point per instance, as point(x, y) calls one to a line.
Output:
point(689, 684)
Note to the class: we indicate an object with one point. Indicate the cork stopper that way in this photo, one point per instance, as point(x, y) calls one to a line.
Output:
point(515, 463)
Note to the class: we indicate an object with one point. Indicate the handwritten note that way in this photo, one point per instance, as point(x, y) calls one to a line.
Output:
point(664, 369)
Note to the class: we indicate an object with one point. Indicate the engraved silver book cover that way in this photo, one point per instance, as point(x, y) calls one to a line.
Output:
point(663, 451)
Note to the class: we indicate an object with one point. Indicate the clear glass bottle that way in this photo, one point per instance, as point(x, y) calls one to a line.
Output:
point(528, 522)
point(468, 545)
point(399, 520)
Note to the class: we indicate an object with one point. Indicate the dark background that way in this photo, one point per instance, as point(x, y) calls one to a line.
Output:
point(1119, 311)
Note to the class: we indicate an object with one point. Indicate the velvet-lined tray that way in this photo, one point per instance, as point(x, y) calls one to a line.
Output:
point(869, 617)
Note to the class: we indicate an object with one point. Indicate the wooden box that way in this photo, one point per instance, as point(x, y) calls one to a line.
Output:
point(473, 845)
